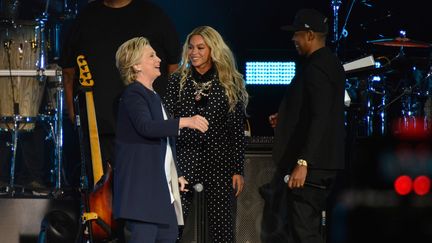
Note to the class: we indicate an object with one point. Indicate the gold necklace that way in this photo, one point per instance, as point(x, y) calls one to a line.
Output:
point(202, 89)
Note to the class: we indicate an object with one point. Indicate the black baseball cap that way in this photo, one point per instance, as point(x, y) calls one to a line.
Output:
point(308, 19)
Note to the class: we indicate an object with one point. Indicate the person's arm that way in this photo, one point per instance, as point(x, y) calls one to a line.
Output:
point(319, 90)
point(238, 145)
point(139, 112)
point(68, 80)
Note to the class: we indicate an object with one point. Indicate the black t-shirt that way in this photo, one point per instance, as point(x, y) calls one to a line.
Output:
point(98, 32)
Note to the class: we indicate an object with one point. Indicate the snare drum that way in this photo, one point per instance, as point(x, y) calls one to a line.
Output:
point(22, 48)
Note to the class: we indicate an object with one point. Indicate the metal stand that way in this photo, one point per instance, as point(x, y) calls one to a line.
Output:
point(324, 225)
point(200, 208)
point(57, 128)
point(58, 131)
point(335, 6)
point(10, 189)
point(344, 33)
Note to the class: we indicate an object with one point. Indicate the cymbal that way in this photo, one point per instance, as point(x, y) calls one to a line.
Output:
point(400, 42)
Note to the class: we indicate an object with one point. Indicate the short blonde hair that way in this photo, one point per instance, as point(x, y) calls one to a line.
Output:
point(128, 55)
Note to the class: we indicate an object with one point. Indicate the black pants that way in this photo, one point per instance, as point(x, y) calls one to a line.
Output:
point(295, 215)
point(305, 206)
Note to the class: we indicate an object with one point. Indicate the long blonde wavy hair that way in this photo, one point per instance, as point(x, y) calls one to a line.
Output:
point(223, 58)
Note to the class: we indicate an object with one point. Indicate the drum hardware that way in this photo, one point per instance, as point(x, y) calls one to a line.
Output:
point(54, 122)
point(31, 73)
point(410, 111)
point(9, 9)
point(7, 44)
point(24, 62)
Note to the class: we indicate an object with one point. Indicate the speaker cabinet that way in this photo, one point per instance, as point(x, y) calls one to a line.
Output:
point(259, 169)
point(21, 218)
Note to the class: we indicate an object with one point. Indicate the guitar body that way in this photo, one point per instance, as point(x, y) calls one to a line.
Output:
point(100, 201)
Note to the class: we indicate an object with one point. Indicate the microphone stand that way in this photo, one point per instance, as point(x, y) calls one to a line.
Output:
point(200, 208)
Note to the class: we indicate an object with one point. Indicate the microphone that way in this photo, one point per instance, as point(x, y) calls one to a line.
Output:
point(286, 179)
point(198, 187)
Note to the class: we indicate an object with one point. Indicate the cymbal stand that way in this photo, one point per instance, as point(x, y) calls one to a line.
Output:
point(344, 33)
point(335, 6)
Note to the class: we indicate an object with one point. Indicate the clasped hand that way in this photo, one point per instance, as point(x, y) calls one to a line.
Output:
point(195, 122)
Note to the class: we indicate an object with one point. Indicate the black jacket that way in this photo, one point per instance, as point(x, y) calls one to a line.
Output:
point(311, 115)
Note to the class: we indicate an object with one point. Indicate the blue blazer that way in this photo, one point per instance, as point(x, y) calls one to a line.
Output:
point(140, 186)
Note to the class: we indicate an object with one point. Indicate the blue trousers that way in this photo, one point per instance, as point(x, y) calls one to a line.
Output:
point(144, 232)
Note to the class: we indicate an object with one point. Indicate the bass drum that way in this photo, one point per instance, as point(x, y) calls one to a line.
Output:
point(22, 48)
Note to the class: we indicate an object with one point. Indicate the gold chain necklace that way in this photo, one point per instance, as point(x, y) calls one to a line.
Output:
point(202, 89)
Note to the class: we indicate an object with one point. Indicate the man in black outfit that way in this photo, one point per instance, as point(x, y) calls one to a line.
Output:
point(309, 128)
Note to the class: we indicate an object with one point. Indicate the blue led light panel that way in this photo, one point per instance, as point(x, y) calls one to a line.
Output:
point(269, 73)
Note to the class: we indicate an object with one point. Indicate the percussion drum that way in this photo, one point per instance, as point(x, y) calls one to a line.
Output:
point(22, 48)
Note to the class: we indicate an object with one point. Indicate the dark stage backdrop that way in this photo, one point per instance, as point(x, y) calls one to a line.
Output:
point(252, 29)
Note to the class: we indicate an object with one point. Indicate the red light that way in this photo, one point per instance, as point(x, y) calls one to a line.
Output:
point(422, 185)
point(403, 185)
point(411, 128)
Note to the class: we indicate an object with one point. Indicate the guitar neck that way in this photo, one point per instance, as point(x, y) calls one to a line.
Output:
point(86, 80)
point(94, 138)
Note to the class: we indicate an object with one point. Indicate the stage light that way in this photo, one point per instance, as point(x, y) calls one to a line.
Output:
point(403, 185)
point(269, 73)
point(422, 185)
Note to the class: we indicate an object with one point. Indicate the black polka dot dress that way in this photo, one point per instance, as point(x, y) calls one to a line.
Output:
point(211, 158)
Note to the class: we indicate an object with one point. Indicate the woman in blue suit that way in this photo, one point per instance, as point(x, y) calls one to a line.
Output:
point(146, 179)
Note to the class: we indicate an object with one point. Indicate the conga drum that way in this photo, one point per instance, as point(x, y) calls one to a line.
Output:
point(22, 48)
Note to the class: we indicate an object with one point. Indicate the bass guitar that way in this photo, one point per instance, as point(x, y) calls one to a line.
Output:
point(99, 200)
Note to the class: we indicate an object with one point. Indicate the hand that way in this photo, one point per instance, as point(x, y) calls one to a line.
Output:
point(72, 117)
point(183, 182)
point(297, 177)
point(273, 119)
point(195, 122)
point(238, 184)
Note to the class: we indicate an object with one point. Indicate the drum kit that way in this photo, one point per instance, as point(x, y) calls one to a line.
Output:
point(26, 79)
point(396, 94)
